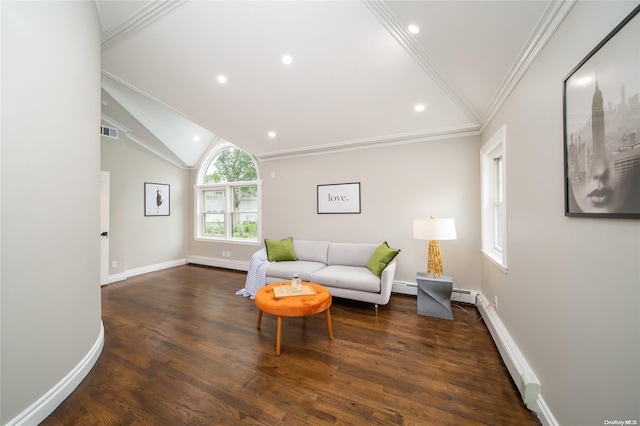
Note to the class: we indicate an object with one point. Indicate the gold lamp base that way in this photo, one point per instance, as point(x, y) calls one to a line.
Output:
point(434, 260)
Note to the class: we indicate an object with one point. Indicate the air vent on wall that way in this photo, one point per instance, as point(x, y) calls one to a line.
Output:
point(109, 132)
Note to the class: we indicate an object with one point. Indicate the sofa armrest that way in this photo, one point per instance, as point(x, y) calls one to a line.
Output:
point(386, 282)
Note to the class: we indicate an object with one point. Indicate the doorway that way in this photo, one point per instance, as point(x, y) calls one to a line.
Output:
point(104, 227)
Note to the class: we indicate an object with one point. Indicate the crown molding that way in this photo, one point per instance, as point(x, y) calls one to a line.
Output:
point(391, 22)
point(368, 143)
point(129, 135)
point(155, 152)
point(146, 15)
point(553, 16)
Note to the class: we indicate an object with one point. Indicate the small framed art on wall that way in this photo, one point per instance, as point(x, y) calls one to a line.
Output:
point(157, 199)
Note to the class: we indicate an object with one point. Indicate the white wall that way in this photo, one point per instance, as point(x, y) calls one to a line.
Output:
point(571, 297)
point(398, 184)
point(50, 168)
point(139, 241)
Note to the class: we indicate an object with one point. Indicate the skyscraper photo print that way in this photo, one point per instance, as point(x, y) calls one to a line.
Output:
point(602, 127)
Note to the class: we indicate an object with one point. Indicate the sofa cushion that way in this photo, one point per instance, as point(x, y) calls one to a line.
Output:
point(278, 251)
point(380, 258)
point(351, 277)
point(313, 251)
point(350, 254)
point(285, 270)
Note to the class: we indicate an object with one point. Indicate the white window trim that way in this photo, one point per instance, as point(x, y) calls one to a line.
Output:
point(495, 147)
point(199, 189)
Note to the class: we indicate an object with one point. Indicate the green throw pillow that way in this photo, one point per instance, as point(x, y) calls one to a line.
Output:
point(381, 258)
point(277, 251)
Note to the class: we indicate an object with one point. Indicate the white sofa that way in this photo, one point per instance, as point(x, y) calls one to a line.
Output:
point(340, 267)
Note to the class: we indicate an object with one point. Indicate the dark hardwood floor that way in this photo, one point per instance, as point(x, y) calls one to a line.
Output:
point(182, 349)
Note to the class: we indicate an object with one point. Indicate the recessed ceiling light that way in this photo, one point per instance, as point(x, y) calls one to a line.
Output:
point(418, 108)
point(222, 79)
point(271, 134)
point(413, 29)
point(196, 138)
point(287, 59)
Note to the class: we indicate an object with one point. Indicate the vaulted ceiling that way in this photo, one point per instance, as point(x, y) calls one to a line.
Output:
point(356, 75)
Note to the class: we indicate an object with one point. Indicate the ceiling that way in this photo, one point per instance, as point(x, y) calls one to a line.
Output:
point(356, 75)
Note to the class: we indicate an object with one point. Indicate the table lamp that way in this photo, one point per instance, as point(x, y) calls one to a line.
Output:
point(434, 230)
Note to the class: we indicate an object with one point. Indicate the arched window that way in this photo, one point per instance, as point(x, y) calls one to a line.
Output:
point(228, 197)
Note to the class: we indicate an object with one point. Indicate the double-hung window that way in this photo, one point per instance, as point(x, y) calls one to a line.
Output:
point(228, 197)
point(498, 202)
point(494, 206)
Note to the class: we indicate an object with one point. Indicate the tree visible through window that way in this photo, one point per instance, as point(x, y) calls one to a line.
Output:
point(229, 197)
point(231, 165)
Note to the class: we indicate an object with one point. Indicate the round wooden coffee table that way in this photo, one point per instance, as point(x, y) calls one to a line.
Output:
point(293, 306)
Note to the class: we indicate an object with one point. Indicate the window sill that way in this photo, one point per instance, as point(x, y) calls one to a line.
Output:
point(228, 241)
point(496, 260)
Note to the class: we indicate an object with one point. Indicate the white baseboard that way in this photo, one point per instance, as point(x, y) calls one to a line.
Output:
point(145, 270)
point(520, 371)
point(544, 413)
point(156, 267)
point(39, 410)
point(219, 263)
point(198, 260)
point(116, 277)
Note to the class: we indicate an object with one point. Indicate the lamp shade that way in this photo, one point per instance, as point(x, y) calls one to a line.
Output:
point(434, 229)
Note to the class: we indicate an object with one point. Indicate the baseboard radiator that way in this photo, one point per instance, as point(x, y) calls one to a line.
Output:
point(457, 295)
point(519, 369)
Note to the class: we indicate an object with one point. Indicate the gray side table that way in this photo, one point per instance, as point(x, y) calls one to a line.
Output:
point(434, 296)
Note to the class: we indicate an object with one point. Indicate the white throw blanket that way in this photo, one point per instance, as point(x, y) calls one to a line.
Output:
point(257, 274)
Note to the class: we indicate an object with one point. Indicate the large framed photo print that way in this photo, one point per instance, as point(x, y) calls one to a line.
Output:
point(157, 199)
point(339, 198)
point(602, 127)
